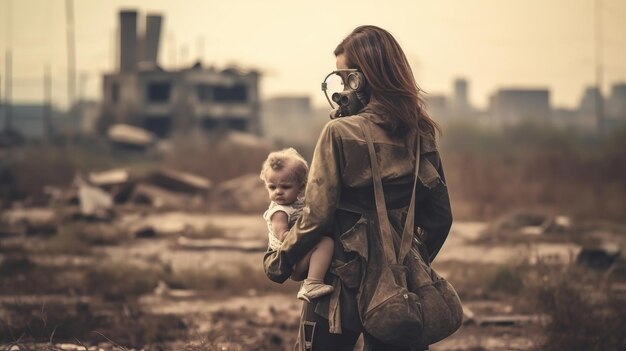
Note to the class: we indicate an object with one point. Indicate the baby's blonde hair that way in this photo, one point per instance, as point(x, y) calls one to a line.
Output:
point(278, 160)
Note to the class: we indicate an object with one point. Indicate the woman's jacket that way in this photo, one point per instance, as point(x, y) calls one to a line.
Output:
point(339, 187)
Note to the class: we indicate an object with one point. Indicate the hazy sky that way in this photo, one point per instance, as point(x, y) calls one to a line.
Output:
point(492, 43)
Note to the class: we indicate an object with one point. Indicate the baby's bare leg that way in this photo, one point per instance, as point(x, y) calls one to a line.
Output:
point(301, 268)
point(316, 261)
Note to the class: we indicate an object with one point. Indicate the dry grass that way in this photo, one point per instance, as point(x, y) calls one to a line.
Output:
point(537, 168)
point(228, 281)
point(31, 325)
point(117, 281)
point(584, 315)
point(19, 275)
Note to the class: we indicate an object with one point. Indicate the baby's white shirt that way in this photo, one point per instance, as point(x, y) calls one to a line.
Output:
point(293, 212)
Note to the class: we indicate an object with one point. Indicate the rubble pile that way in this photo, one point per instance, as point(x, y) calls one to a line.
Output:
point(243, 194)
point(532, 223)
point(99, 195)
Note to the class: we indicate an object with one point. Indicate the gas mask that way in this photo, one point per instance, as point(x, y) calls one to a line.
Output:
point(347, 89)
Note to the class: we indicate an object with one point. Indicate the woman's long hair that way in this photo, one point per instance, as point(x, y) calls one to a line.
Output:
point(393, 92)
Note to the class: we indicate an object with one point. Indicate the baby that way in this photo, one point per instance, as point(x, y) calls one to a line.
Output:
point(285, 173)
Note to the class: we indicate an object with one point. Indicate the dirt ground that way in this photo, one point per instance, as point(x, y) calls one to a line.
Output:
point(242, 316)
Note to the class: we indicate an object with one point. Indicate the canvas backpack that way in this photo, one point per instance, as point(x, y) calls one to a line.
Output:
point(402, 301)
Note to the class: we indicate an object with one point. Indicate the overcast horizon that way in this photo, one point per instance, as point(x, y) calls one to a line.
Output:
point(493, 44)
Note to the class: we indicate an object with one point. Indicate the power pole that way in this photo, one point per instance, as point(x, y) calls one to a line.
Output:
point(71, 53)
point(8, 80)
point(599, 69)
point(47, 104)
point(8, 109)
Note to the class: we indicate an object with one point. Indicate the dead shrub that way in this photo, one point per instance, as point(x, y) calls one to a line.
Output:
point(35, 166)
point(19, 275)
point(121, 282)
point(507, 280)
point(583, 314)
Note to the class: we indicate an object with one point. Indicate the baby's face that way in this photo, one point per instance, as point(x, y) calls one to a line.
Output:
point(282, 186)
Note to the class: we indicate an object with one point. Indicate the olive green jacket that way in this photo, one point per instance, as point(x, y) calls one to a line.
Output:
point(340, 185)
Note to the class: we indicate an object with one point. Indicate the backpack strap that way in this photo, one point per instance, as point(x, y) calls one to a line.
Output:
point(381, 208)
point(409, 224)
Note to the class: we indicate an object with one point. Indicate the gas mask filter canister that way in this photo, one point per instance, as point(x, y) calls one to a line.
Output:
point(347, 92)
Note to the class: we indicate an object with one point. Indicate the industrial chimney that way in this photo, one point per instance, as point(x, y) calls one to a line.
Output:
point(128, 41)
point(152, 38)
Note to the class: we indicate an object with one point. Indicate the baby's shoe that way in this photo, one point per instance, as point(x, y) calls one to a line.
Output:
point(313, 288)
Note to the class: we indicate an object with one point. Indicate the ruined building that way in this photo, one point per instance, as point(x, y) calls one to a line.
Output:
point(163, 102)
point(510, 107)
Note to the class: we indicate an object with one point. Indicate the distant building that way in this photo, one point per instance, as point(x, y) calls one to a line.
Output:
point(589, 102)
point(145, 95)
point(437, 106)
point(616, 104)
point(567, 117)
point(586, 114)
point(460, 103)
point(455, 107)
point(509, 107)
point(289, 119)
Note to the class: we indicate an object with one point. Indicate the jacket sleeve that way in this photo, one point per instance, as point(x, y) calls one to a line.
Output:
point(321, 199)
point(434, 215)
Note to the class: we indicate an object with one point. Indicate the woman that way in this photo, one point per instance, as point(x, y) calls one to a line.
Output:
point(340, 184)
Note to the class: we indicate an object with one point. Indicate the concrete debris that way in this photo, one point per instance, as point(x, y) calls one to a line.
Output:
point(557, 225)
point(243, 194)
point(180, 181)
point(29, 221)
point(520, 219)
point(109, 177)
point(117, 182)
point(534, 223)
point(531, 230)
point(164, 290)
point(32, 215)
point(599, 256)
point(171, 227)
point(221, 244)
point(94, 202)
point(128, 136)
point(163, 199)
